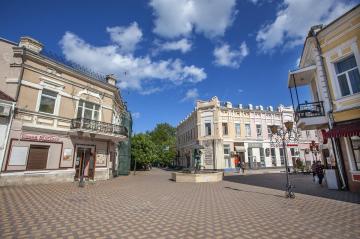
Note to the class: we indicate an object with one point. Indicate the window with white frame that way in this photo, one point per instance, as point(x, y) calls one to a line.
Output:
point(258, 130)
point(247, 130)
point(237, 129)
point(88, 110)
point(348, 77)
point(47, 101)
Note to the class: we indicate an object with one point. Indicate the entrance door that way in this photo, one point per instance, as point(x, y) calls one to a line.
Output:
point(37, 159)
point(85, 163)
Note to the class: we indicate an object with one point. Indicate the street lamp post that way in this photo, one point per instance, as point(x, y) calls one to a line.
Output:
point(281, 136)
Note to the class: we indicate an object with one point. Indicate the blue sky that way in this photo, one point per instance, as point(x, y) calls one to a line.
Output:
point(168, 53)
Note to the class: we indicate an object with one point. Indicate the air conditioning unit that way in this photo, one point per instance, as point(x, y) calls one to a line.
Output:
point(5, 110)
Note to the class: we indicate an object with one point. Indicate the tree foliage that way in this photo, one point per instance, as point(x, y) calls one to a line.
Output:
point(157, 147)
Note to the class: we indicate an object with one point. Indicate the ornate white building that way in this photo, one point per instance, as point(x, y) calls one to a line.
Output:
point(228, 134)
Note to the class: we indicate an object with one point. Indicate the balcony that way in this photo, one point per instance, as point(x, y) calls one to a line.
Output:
point(98, 129)
point(310, 115)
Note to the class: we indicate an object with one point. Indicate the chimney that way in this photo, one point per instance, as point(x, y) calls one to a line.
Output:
point(240, 106)
point(271, 108)
point(111, 79)
point(31, 44)
point(250, 106)
point(261, 107)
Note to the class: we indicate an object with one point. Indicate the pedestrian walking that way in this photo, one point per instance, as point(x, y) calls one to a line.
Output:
point(320, 171)
point(242, 166)
point(313, 169)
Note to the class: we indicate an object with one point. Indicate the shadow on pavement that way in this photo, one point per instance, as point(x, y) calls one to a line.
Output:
point(267, 194)
point(303, 184)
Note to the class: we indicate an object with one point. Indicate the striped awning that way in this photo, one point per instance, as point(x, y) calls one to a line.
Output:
point(344, 130)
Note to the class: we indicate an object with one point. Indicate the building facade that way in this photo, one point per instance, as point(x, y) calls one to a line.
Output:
point(329, 67)
point(229, 134)
point(67, 122)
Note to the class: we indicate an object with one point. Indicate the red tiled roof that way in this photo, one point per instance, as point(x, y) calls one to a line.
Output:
point(4, 96)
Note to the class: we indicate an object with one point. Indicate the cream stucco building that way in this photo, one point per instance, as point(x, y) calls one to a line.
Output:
point(67, 121)
point(329, 67)
point(229, 133)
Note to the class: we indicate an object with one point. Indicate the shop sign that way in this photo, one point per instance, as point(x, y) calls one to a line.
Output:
point(40, 138)
point(254, 145)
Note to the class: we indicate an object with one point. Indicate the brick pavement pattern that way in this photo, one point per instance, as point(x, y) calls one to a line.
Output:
point(149, 205)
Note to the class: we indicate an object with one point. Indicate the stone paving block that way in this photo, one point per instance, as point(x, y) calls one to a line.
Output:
point(148, 205)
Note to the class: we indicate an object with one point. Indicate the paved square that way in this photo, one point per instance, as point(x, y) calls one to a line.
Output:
point(149, 205)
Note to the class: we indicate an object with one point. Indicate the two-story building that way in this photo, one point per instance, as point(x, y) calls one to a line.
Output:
point(67, 121)
point(228, 134)
point(329, 67)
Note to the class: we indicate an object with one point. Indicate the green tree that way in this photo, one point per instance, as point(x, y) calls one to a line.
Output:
point(164, 138)
point(143, 150)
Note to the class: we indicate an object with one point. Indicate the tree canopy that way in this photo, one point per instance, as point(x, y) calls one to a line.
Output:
point(157, 147)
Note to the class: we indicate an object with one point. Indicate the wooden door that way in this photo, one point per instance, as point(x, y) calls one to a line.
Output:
point(37, 159)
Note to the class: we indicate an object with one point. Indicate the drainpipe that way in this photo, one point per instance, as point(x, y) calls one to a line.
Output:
point(339, 159)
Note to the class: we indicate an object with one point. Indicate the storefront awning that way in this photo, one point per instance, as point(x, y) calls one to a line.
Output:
point(240, 149)
point(302, 76)
point(345, 130)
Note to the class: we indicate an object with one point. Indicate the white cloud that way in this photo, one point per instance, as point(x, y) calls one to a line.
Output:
point(140, 71)
point(136, 115)
point(191, 95)
point(180, 17)
point(240, 91)
point(150, 91)
point(224, 56)
point(126, 37)
point(183, 45)
point(294, 19)
point(297, 63)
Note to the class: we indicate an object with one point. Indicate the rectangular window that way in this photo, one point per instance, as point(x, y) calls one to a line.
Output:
point(37, 158)
point(269, 131)
point(237, 129)
point(226, 149)
point(207, 129)
point(47, 101)
point(355, 143)
point(258, 130)
point(273, 156)
point(348, 76)
point(282, 156)
point(247, 130)
point(88, 110)
point(225, 128)
point(262, 157)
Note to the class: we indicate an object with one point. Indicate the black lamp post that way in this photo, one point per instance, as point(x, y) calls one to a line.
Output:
point(281, 136)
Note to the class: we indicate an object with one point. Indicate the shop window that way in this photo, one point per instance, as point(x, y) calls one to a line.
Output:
point(88, 110)
point(226, 149)
point(37, 158)
point(282, 156)
point(273, 156)
point(348, 76)
point(355, 143)
point(47, 101)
